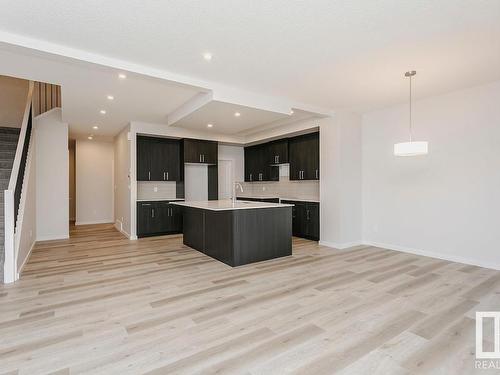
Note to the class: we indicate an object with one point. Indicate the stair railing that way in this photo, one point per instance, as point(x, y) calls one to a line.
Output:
point(12, 195)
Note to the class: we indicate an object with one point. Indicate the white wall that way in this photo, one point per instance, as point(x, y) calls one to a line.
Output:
point(52, 207)
point(13, 96)
point(340, 180)
point(94, 182)
point(445, 204)
point(236, 155)
point(196, 182)
point(122, 181)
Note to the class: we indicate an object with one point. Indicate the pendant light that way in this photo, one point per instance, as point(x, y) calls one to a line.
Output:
point(411, 148)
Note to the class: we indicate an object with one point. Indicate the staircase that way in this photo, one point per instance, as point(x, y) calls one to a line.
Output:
point(8, 145)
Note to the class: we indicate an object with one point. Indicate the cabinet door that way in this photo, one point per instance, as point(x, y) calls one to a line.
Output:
point(278, 152)
point(296, 157)
point(175, 218)
point(192, 152)
point(262, 166)
point(143, 159)
point(299, 224)
point(312, 216)
point(250, 164)
point(311, 152)
point(144, 218)
point(209, 152)
point(172, 168)
point(159, 157)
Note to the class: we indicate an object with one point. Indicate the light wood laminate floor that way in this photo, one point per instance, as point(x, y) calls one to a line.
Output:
point(100, 304)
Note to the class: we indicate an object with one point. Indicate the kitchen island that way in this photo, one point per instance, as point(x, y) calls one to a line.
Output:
point(240, 232)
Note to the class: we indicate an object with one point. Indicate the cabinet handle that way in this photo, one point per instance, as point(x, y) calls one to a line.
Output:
point(153, 212)
point(307, 214)
point(316, 173)
point(167, 176)
point(250, 177)
point(149, 175)
point(203, 158)
point(163, 176)
point(277, 158)
point(200, 158)
point(145, 204)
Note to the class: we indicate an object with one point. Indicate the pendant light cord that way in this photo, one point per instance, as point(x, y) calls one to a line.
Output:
point(411, 135)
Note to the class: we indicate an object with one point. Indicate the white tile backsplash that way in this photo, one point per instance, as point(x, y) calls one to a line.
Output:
point(156, 189)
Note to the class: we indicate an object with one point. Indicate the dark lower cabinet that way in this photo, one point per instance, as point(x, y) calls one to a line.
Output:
point(305, 219)
point(158, 217)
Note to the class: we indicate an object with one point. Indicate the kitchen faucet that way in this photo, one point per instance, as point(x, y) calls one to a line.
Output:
point(236, 184)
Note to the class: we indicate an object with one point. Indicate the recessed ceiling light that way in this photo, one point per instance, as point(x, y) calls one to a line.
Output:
point(237, 114)
point(111, 97)
point(122, 76)
point(291, 112)
point(90, 137)
point(207, 56)
point(102, 111)
point(95, 127)
point(210, 125)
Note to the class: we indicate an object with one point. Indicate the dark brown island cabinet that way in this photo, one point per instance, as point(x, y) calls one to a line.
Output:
point(305, 219)
point(239, 236)
point(157, 218)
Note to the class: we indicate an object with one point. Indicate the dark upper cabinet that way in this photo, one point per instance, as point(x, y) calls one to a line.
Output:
point(199, 151)
point(257, 166)
point(303, 153)
point(305, 219)
point(158, 217)
point(143, 159)
point(277, 152)
point(158, 159)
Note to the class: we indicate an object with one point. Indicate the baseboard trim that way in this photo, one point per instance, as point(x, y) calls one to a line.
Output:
point(53, 237)
point(106, 221)
point(20, 270)
point(341, 246)
point(431, 254)
point(119, 228)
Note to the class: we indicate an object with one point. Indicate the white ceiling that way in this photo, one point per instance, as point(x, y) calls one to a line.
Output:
point(221, 116)
point(268, 56)
point(332, 54)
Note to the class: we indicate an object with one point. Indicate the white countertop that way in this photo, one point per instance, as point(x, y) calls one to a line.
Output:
point(227, 204)
point(160, 199)
point(301, 199)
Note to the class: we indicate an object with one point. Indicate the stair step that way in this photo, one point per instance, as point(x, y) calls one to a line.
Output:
point(6, 130)
point(5, 173)
point(6, 164)
point(7, 154)
point(8, 146)
point(4, 184)
point(9, 138)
